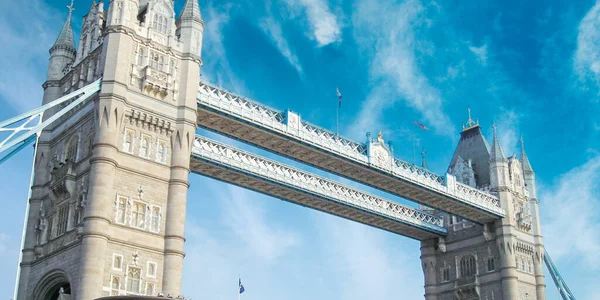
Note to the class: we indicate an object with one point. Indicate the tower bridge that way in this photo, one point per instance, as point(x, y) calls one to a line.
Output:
point(110, 179)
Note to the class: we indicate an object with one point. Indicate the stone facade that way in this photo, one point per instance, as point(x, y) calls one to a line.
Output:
point(108, 201)
point(499, 260)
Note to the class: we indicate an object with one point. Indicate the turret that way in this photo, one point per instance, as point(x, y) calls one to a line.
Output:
point(190, 27)
point(528, 174)
point(499, 175)
point(62, 52)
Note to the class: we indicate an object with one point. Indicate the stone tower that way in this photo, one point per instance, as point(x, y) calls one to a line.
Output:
point(499, 260)
point(108, 201)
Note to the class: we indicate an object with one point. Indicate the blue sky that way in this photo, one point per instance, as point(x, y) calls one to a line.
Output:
point(532, 67)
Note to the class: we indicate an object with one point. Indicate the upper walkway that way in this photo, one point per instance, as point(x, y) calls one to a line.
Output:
point(371, 163)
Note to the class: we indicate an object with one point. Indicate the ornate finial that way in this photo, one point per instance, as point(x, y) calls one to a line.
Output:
point(494, 128)
point(522, 141)
point(71, 8)
point(380, 137)
point(470, 122)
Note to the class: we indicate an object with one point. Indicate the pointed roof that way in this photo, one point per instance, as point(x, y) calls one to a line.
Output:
point(191, 11)
point(65, 38)
point(527, 169)
point(497, 154)
point(473, 146)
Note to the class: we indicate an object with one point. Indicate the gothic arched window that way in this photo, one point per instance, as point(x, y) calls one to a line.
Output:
point(141, 57)
point(161, 152)
point(145, 147)
point(468, 266)
point(133, 279)
point(161, 63)
point(72, 149)
point(128, 141)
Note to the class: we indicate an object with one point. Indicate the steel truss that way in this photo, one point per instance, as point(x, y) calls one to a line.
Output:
point(26, 133)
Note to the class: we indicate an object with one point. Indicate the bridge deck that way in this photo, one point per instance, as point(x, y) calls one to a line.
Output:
point(251, 171)
point(253, 123)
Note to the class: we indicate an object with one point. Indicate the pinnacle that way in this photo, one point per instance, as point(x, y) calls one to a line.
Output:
point(497, 154)
point(65, 38)
point(191, 11)
point(525, 160)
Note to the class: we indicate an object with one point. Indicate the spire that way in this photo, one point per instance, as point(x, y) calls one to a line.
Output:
point(191, 11)
point(497, 155)
point(423, 159)
point(65, 38)
point(527, 169)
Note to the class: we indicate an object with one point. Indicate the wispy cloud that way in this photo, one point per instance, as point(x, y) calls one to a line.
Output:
point(248, 221)
point(387, 32)
point(507, 123)
point(570, 206)
point(272, 28)
point(587, 56)
point(325, 27)
point(481, 53)
point(216, 62)
point(27, 30)
point(372, 268)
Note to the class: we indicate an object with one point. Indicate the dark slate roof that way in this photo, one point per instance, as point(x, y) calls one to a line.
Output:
point(473, 146)
point(191, 11)
point(65, 38)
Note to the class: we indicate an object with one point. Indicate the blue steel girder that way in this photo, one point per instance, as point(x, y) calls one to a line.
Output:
point(559, 282)
point(228, 164)
point(285, 134)
point(24, 134)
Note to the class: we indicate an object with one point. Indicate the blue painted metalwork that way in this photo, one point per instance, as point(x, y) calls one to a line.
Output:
point(560, 283)
point(28, 134)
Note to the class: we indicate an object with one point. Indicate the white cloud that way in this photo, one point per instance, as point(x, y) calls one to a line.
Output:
point(27, 30)
point(387, 32)
point(507, 124)
point(274, 31)
point(372, 267)
point(214, 54)
point(481, 52)
point(587, 56)
point(248, 221)
point(569, 213)
point(324, 24)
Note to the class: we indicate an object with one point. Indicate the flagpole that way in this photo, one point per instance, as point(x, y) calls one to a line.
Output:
point(239, 285)
point(337, 120)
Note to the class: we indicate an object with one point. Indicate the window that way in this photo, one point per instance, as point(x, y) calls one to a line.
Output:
point(117, 262)
point(121, 210)
point(128, 141)
point(144, 146)
point(141, 57)
point(150, 289)
point(445, 274)
point(63, 217)
point(90, 144)
point(133, 280)
point(529, 268)
point(155, 219)
point(468, 266)
point(161, 152)
point(115, 285)
point(161, 63)
point(72, 149)
point(138, 215)
point(491, 264)
point(160, 23)
point(151, 269)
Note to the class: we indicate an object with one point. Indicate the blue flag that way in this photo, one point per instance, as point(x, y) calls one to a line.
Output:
point(241, 287)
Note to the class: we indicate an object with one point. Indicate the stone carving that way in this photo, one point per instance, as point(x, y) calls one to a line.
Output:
point(41, 228)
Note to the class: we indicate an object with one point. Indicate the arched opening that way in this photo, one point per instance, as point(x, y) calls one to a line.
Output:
point(54, 286)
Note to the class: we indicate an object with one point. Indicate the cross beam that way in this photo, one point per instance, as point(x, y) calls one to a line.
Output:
point(24, 134)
